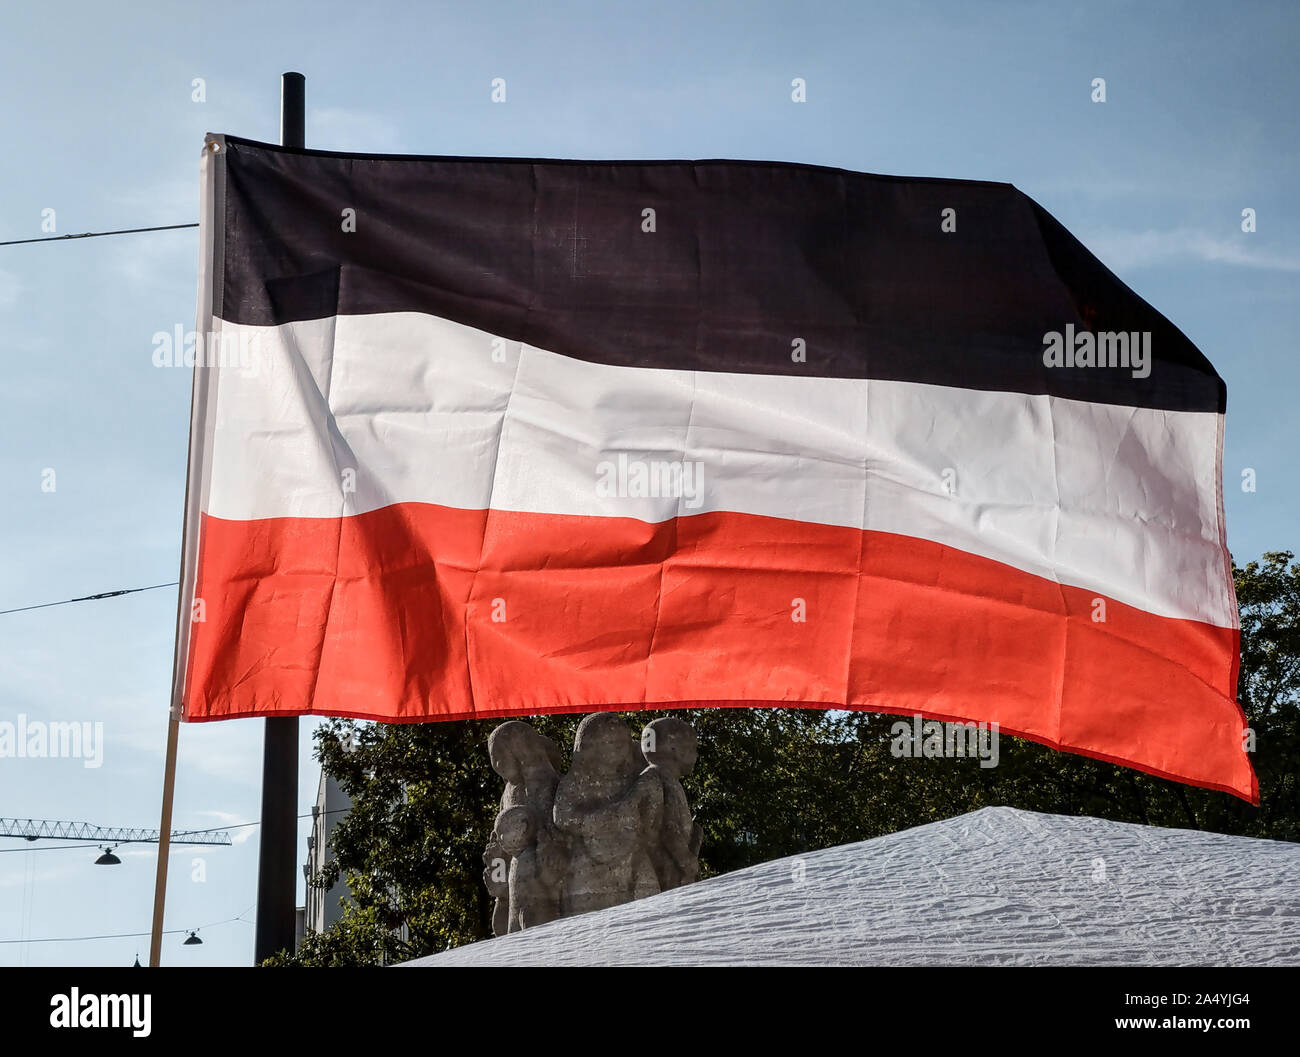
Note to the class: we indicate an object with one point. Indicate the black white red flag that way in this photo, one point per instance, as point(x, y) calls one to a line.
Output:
point(479, 437)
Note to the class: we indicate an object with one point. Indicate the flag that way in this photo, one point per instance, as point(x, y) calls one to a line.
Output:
point(493, 437)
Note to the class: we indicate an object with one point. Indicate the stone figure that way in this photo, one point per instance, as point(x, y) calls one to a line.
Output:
point(496, 878)
point(535, 870)
point(615, 828)
point(529, 762)
point(669, 746)
point(609, 814)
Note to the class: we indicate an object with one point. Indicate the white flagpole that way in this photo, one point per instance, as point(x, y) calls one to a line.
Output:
point(189, 542)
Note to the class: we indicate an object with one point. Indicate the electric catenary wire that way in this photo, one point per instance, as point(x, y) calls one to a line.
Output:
point(129, 935)
point(96, 234)
point(91, 598)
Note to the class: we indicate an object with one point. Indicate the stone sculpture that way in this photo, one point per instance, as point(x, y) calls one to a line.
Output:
point(669, 746)
point(529, 762)
point(615, 828)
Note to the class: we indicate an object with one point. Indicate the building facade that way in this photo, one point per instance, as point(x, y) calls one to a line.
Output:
point(323, 906)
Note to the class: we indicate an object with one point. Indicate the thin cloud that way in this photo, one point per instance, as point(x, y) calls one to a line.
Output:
point(341, 128)
point(1130, 250)
point(17, 877)
point(165, 201)
point(227, 818)
point(9, 290)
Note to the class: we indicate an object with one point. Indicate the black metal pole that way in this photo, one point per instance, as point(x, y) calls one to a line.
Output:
point(276, 872)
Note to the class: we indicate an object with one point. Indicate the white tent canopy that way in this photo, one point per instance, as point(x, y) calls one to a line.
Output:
point(995, 887)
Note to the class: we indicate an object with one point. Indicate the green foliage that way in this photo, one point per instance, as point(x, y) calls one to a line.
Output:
point(769, 783)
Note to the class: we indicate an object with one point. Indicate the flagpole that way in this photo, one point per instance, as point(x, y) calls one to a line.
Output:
point(184, 612)
point(184, 594)
point(164, 841)
point(276, 881)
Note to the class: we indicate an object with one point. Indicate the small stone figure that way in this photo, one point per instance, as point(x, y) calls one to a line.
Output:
point(496, 878)
point(615, 828)
point(535, 869)
point(670, 748)
point(529, 762)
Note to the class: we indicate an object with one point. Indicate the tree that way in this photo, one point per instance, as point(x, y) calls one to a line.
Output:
point(769, 783)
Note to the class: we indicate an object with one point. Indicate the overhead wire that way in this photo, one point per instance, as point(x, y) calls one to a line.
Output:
point(131, 935)
point(90, 598)
point(95, 234)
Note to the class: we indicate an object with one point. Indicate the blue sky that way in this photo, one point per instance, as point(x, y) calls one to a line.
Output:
point(98, 123)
